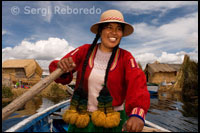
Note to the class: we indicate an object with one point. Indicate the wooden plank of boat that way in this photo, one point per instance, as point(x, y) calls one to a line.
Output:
point(34, 90)
point(70, 90)
point(43, 121)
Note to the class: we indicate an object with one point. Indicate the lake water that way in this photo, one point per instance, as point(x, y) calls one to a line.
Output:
point(166, 110)
point(169, 111)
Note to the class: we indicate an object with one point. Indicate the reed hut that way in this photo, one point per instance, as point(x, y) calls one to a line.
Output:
point(26, 71)
point(160, 72)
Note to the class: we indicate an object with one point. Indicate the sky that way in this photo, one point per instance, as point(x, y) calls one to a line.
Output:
point(164, 31)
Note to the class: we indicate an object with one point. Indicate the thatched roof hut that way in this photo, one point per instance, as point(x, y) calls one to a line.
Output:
point(26, 70)
point(159, 72)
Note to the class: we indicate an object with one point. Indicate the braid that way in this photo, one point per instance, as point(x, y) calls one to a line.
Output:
point(110, 63)
point(77, 113)
point(79, 92)
point(87, 58)
point(106, 116)
point(104, 91)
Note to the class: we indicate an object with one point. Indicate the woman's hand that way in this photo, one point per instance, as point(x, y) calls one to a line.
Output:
point(66, 64)
point(134, 124)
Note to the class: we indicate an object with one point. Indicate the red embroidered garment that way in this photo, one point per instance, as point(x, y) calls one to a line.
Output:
point(126, 81)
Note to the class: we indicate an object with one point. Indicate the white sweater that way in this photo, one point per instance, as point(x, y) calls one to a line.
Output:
point(96, 79)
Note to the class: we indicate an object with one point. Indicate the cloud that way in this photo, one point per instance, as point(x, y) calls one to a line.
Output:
point(159, 43)
point(146, 58)
point(147, 7)
point(43, 51)
point(148, 43)
point(169, 58)
point(179, 34)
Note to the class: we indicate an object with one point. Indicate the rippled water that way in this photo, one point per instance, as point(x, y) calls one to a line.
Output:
point(166, 110)
point(169, 111)
point(22, 114)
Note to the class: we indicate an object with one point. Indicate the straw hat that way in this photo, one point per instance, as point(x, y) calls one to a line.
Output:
point(113, 16)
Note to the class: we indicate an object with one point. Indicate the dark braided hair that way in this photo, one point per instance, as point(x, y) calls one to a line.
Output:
point(79, 94)
point(87, 58)
point(110, 63)
point(104, 91)
point(101, 26)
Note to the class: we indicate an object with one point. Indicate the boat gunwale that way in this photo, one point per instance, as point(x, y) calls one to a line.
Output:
point(36, 117)
point(156, 126)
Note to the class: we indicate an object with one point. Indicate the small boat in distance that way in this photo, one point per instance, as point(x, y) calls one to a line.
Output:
point(164, 83)
point(152, 88)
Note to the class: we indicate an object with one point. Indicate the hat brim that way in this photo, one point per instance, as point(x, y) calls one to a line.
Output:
point(128, 28)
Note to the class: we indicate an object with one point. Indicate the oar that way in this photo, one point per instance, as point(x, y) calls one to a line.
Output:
point(36, 89)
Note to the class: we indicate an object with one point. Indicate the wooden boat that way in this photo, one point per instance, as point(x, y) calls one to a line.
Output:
point(50, 120)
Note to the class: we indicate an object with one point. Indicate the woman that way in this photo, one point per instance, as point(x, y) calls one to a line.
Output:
point(107, 77)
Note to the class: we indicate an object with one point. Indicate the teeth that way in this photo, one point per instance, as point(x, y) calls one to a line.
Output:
point(112, 39)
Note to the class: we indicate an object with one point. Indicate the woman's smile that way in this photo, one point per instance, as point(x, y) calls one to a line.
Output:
point(111, 36)
point(112, 39)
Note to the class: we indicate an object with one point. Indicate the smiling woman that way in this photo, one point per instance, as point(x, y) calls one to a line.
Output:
point(103, 71)
point(168, 30)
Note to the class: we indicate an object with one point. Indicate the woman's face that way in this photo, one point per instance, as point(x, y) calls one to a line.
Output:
point(111, 36)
